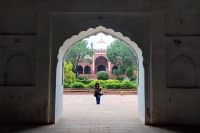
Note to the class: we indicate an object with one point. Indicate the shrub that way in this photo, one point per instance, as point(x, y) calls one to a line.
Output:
point(113, 81)
point(66, 85)
point(135, 86)
point(112, 85)
point(82, 78)
point(78, 85)
point(101, 82)
point(119, 78)
point(127, 84)
point(85, 81)
point(92, 83)
point(69, 76)
point(102, 75)
point(132, 79)
point(117, 72)
point(129, 72)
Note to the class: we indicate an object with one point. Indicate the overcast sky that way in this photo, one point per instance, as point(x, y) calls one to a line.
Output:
point(96, 38)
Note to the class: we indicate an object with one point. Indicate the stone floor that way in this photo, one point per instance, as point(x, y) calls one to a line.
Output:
point(115, 114)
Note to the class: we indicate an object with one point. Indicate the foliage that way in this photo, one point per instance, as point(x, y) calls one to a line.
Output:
point(117, 72)
point(69, 76)
point(82, 78)
point(112, 81)
point(85, 81)
point(129, 72)
point(112, 85)
point(132, 79)
point(66, 85)
point(128, 85)
point(120, 78)
point(121, 55)
point(101, 82)
point(102, 75)
point(79, 53)
point(92, 83)
point(135, 74)
point(78, 85)
point(134, 85)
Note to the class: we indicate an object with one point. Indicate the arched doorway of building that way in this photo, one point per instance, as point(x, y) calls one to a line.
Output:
point(59, 71)
point(101, 68)
point(87, 70)
point(101, 64)
point(80, 69)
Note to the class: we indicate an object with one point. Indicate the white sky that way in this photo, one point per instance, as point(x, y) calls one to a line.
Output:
point(96, 38)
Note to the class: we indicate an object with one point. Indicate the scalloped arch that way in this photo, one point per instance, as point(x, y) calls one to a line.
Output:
point(91, 31)
point(83, 34)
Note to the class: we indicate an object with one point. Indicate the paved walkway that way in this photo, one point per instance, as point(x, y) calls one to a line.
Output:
point(115, 114)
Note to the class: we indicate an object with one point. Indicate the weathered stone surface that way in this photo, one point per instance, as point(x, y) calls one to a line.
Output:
point(37, 29)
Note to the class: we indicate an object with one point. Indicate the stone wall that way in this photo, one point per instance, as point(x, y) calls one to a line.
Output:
point(167, 32)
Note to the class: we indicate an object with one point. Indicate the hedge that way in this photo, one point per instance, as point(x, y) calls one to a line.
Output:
point(66, 85)
point(84, 81)
point(78, 85)
point(112, 85)
point(128, 85)
point(108, 84)
point(82, 78)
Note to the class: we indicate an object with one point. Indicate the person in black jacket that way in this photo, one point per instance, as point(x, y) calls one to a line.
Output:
point(97, 93)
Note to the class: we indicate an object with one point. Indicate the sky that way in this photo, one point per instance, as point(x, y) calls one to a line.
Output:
point(96, 38)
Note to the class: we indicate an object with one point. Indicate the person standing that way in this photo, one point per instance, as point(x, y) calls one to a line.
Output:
point(97, 92)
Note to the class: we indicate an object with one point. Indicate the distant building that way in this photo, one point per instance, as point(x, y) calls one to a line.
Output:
point(100, 63)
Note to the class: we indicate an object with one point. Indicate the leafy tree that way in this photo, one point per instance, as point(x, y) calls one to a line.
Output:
point(121, 55)
point(129, 72)
point(102, 75)
point(69, 76)
point(79, 53)
point(117, 72)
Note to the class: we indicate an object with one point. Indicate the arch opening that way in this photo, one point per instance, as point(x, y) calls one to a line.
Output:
point(101, 68)
point(101, 64)
point(80, 69)
point(87, 70)
point(71, 41)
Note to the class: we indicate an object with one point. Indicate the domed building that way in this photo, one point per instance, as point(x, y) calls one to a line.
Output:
point(100, 62)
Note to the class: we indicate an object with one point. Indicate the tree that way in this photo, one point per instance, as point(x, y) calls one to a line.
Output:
point(69, 76)
point(79, 53)
point(117, 72)
point(121, 55)
point(129, 72)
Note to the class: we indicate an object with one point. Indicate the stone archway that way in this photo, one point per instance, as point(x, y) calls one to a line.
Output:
point(80, 69)
point(87, 70)
point(101, 61)
point(83, 34)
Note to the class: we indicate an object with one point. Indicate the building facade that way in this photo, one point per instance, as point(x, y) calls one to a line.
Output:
point(100, 63)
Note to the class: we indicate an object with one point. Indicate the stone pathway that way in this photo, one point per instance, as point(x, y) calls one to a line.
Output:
point(115, 114)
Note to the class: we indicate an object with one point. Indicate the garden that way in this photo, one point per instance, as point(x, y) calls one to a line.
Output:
point(118, 53)
point(102, 78)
